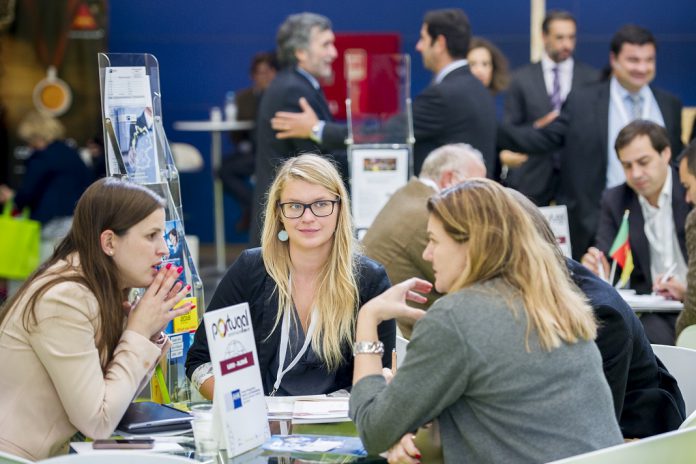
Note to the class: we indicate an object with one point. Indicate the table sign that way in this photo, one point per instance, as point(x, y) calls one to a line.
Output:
point(239, 404)
point(557, 216)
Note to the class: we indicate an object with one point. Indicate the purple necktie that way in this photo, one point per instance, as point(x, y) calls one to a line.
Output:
point(556, 101)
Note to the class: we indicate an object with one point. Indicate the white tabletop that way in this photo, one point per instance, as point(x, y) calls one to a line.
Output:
point(213, 126)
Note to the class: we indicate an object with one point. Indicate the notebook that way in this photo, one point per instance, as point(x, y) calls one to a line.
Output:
point(148, 417)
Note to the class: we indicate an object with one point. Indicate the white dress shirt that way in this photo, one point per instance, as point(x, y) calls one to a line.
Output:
point(565, 74)
point(661, 234)
point(448, 69)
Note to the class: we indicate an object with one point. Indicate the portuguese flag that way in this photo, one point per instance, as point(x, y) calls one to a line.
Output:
point(621, 252)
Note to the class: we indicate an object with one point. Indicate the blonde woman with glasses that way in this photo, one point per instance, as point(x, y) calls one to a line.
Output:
point(304, 286)
point(505, 361)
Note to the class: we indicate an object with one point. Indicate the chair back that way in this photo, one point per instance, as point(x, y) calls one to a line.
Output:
point(119, 457)
point(187, 158)
point(687, 338)
point(677, 446)
point(401, 344)
point(681, 363)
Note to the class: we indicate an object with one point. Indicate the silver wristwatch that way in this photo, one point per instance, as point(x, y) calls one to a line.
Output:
point(368, 348)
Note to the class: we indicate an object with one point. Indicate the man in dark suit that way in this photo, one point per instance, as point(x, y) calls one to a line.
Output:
point(655, 200)
point(306, 50)
point(456, 107)
point(538, 89)
point(587, 127)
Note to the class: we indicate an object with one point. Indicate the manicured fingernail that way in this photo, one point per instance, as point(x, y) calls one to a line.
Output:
point(188, 287)
point(179, 269)
point(418, 456)
point(193, 306)
point(168, 266)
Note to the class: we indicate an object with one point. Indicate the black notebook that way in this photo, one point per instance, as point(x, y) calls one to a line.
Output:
point(148, 417)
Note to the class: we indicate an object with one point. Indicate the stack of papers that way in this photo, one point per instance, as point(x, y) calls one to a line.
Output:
point(313, 409)
point(320, 411)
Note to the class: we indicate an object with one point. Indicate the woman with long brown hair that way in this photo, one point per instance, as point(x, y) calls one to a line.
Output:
point(75, 352)
point(505, 361)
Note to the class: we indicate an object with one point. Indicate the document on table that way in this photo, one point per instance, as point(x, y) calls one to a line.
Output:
point(85, 447)
point(650, 302)
point(320, 411)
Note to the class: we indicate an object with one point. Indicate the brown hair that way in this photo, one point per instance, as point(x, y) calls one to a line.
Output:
point(501, 75)
point(655, 132)
point(108, 204)
point(503, 243)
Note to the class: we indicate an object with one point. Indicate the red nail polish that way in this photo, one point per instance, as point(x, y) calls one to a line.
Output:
point(188, 287)
point(418, 456)
point(168, 266)
point(179, 269)
point(193, 306)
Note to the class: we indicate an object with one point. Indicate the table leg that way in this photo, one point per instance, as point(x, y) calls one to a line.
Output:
point(216, 161)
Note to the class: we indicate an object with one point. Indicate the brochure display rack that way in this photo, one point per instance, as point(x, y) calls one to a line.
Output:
point(380, 130)
point(137, 151)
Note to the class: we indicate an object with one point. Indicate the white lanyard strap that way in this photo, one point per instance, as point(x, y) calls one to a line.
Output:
point(285, 341)
point(621, 108)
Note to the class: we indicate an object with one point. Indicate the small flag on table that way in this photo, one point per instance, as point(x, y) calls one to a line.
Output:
point(620, 252)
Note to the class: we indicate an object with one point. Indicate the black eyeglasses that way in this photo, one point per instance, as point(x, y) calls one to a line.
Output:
point(320, 208)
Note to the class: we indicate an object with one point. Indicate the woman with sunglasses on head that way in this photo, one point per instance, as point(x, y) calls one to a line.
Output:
point(304, 286)
point(75, 352)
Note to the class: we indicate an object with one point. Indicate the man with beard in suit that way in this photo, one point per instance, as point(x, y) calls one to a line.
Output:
point(538, 89)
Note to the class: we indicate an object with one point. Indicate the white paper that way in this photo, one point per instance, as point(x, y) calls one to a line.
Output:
point(557, 217)
point(376, 173)
point(128, 103)
point(320, 411)
point(239, 400)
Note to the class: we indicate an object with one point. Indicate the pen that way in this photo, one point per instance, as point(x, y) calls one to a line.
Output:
point(668, 275)
point(600, 268)
point(393, 369)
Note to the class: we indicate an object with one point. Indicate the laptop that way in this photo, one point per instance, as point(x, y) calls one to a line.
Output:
point(148, 417)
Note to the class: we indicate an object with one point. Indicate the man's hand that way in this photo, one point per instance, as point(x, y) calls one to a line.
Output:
point(295, 125)
point(672, 288)
point(546, 119)
point(593, 259)
point(512, 159)
point(6, 193)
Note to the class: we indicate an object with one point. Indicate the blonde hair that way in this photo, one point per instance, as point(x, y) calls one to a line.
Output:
point(337, 293)
point(503, 242)
point(37, 125)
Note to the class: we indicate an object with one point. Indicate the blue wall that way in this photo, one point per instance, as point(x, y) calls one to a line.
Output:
point(204, 49)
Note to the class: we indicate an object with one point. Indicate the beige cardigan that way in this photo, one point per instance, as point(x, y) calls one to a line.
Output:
point(51, 381)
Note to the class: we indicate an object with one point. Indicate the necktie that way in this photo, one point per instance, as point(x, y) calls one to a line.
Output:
point(556, 90)
point(636, 105)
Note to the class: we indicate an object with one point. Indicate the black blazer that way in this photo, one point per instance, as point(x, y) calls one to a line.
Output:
point(283, 95)
point(247, 281)
point(526, 101)
point(621, 198)
point(457, 110)
point(581, 131)
point(647, 399)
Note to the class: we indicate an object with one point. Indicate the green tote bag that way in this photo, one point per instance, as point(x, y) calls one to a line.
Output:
point(20, 239)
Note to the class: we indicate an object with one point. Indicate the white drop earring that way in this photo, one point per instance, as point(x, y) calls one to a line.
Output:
point(283, 235)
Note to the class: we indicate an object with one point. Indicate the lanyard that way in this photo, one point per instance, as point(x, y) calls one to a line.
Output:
point(621, 108)
point(285, 341)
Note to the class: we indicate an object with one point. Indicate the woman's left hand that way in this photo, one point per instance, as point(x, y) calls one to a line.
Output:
point(404, 452)
point(392, 303)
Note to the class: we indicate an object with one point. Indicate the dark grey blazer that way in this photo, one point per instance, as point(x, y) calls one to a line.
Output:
point(526, 101)
point(581, 131)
